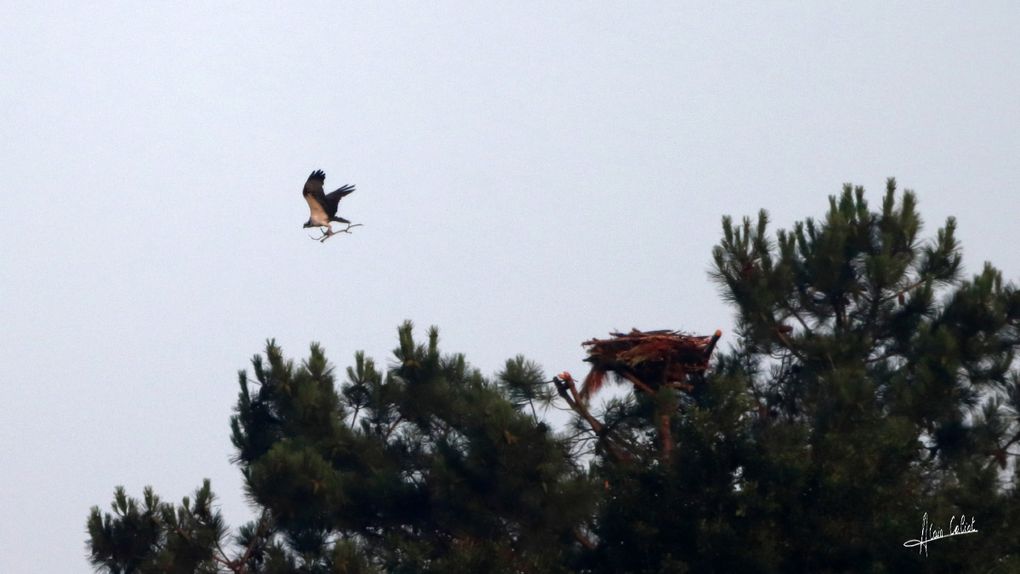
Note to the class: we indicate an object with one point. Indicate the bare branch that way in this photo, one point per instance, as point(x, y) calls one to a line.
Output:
point(330, 232)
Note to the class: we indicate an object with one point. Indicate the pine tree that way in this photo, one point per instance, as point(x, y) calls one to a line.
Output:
point(428, 468)
point(869, 385)
point(890, 393)
point(154, 536)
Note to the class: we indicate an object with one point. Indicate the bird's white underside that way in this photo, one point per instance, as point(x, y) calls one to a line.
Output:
point(318, 214)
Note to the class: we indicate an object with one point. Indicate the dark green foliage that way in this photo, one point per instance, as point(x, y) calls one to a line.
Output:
point(428, 468)
point(154, 536)
point(879, 380)
point(867, 384)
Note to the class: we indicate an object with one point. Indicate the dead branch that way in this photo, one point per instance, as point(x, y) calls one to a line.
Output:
point(330, 232)
point(568, 390)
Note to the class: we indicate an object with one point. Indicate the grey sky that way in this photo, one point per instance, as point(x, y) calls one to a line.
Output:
point(529, 175)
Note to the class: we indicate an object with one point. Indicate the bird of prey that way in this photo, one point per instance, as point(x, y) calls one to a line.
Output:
point(322, 206)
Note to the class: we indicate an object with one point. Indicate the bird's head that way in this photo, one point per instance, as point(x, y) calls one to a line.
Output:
point(308, 224)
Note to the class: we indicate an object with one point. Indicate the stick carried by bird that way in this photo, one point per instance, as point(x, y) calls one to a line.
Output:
point(322, 206)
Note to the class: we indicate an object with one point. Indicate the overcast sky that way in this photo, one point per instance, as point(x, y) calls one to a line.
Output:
point(529, 176)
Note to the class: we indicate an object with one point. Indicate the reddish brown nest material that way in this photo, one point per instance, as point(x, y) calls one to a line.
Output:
point(649, 359)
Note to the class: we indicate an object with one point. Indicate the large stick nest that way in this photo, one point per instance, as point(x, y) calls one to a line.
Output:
point(648, 359)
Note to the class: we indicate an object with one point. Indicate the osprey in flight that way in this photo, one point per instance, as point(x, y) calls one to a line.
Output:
point(322, 206)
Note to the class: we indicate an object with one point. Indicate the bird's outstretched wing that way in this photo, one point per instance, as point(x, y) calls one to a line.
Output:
point(334, 197)
point(315, 197)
